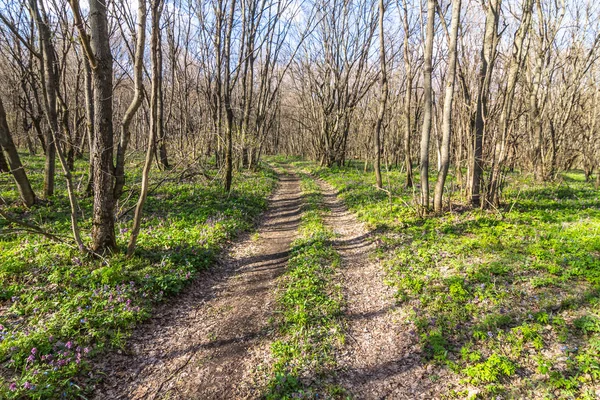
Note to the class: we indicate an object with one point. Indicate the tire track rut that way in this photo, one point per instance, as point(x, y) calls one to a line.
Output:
point(207, 342)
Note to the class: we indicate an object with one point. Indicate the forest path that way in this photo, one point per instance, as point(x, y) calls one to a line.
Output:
point(381, 359)
point(206, 342)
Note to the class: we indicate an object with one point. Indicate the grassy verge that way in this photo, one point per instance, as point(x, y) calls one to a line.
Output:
point(309, 304)
point(58, 310)
point(505, 302)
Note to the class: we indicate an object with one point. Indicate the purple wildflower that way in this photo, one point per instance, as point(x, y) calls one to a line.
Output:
point(12, 387)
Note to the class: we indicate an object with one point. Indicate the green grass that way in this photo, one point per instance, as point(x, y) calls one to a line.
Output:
point(506, 300)
point(59, 309)
point(309, 305)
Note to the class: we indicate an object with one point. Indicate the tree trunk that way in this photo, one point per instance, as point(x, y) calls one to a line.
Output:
point(135, 104)
point(97, 49)
point(3, 162)
point(488, 55)
point(157, 6)
point(536, 120)
point(89, 122)
point(407, 99)
point(447, 111)
point(161, 133)
point(227, 101)
point(49, 75)
point(383, 98)
point(493, 193)
point(14, 162)
point(427, 105)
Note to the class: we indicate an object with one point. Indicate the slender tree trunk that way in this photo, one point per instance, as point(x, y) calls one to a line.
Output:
point(488, 51)
point(156, 10)
point(3, 163)
point(493, 193)
point(447, 111)
point(161, 133)
point(14, 162)
point(135, 104)
point(49, 75)
point(427, 105)
point(36, 121)
point(52, 97)
point(227, 102)
point(536, 120)
point(383, 98)
point(407, 99)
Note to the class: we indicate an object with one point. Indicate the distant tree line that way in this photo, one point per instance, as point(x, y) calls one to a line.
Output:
point(476, 88)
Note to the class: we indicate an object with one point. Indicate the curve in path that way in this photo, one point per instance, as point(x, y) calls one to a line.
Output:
point(381, 359)
point(203, 344)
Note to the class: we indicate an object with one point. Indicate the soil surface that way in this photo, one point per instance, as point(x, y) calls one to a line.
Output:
point(204, 343)
point(210, 341)
point(381, 358)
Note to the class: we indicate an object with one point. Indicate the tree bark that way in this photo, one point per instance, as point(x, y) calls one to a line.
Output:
point(407, 101)
point(493, 193)
point(3, 163)
point(135, 104)
point(383, 97)
point(488, 55)
point(156, 59)
point(97, 49)
point(14, 162)
point(227, 101)
point(447, 111)
point(49, 76)
point(427, 105)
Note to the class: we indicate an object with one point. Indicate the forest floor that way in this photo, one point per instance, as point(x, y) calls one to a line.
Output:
point(215, 340)
point(486, 304)
point(381, 358)
point(207, 342)
point(341, 291)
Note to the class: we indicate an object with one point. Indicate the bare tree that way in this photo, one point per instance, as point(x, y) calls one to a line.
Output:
point(488, 57)
point(14, 162)
point(49, 75)
point(97, 49)
point(428, 102)
point(516, 63)
point(136, 102)
point(383, 96)
point(155, 118)
point(447, 111)
point(407, 98)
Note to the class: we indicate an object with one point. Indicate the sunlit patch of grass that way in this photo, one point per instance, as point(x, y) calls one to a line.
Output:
point(59, 309)
point(507, 299)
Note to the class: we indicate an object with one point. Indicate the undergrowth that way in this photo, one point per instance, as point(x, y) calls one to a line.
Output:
point(309, 304)
point(58, 309)
point(507, 301)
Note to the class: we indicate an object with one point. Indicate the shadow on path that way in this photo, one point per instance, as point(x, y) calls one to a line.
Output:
point(199, 345)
